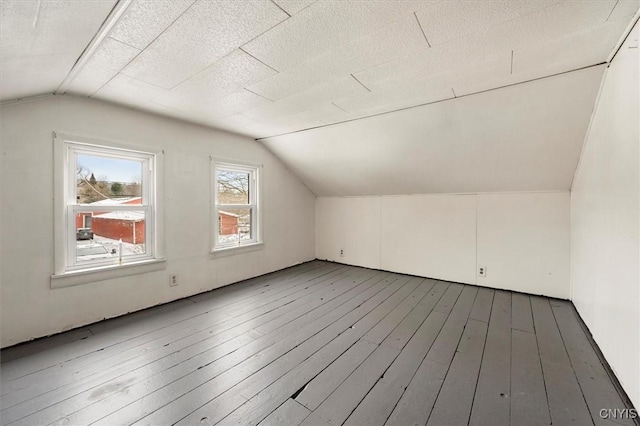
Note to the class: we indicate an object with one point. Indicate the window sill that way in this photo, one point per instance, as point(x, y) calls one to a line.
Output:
point(232, 251)
point(85, 276)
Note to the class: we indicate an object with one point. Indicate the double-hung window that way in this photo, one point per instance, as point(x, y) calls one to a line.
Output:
point(235, 205)
point(106, 205)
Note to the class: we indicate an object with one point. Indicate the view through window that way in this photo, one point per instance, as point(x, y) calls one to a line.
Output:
point(236, 207)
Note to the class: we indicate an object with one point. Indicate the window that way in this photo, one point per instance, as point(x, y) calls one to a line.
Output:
point(106, 205)
point(235, 206)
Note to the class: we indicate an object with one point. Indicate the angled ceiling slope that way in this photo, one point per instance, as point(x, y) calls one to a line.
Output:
point(263, 68)
point(526, 137)
point(41, 40)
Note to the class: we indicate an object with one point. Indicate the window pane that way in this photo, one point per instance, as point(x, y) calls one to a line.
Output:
point(107, 180)
point(101, 242)
point(84, 229)
point(233, 187)
point(234, 226)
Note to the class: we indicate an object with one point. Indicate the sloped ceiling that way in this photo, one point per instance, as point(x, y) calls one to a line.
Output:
point(41, 40)
point(269, 68)
point(525, 137)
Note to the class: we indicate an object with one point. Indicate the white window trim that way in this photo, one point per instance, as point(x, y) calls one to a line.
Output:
point(255, 202)
point(231, 251)
point(79, 277)
point(67, 272)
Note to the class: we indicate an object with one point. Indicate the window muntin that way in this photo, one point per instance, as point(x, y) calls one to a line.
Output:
point(109, 207)
point(235, 205)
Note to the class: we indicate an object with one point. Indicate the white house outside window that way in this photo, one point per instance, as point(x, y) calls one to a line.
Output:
point(236, 196)
point(106, 205)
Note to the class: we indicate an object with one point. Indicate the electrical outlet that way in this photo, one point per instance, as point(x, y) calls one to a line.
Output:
point(173, 280)
point(341, 252)
point(482, 271)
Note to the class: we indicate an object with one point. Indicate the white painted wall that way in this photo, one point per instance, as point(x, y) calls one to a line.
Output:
point(432, 236)
point(523, 239)
point(350, 224)
point(605, 221)
point(31, 309)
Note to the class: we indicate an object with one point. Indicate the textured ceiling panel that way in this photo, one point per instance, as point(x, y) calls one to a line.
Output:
point(509, 139)
point(385, 44)
point(344, 87)
point(294, 6)
point(431, 89)
point(263, 67)
point(449, 20)
point(40, 42)
point(550, 23)
point(204, 109)
point(422, 63)
point(319, 114)
point(129, 91)
point(553, 57)
point(102, 67)
point(325, 113)
point(324, 26)
point(232, 104)
point(205, 33)
point(544, 25)
point(229, 74)
point(141, 24)
point(238, 123)
point(146, 19)
point(211, 111)
point(624, 9)
point(415, 93)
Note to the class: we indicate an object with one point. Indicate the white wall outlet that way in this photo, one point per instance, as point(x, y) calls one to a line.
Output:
point(173, 280)
point(341, 252)
point(482, 271)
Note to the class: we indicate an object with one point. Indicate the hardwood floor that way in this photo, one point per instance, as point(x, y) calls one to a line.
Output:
point(319, 344)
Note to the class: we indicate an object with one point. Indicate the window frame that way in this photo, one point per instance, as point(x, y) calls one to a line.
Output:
point(254, 205)
point(66, 207)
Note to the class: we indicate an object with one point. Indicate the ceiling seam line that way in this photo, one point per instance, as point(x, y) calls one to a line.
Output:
point(125, 43)
point(239, 47)
point(112, 78)
point(340, 108)
point(278, 6)
point(612, 9)
point(94, 44)
point(587, 133)
point(421, 29)
point(623, 39)
point(268, 29)
point(258, 59)
point(26, 98)
point(258, 94)
point(434, 102)
point(356, 79)
point(202, 71)
point(511, 61)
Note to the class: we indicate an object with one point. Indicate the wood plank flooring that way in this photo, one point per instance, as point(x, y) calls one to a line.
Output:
point(319, 344)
